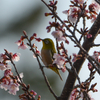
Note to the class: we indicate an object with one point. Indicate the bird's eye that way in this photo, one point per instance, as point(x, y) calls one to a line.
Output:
point(46, 42)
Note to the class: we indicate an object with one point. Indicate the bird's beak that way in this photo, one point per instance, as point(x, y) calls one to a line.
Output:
point(42, 40)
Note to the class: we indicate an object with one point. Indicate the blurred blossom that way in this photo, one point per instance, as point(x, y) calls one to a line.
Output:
point(59, 60)
point(22, 46)
point(16, 57)
point(72, 14)
point(13, 88)
point(58, 35)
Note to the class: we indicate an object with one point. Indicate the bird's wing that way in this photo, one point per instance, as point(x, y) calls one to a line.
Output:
point(54, 68)
point(52, 53)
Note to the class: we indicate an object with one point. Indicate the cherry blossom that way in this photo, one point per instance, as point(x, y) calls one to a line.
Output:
point(72, 14)
point(73, 94)
point(16, 57)
point(2, 66)
point(18, 42)
point(89, 36)
point(59, 60)
point(80, 1)
point(8, 72)
point(7, 83)
point(13, 88)
point(96, 56)
point(59, 35)
point(94, 6)
point(22, 46)
point(4, 85)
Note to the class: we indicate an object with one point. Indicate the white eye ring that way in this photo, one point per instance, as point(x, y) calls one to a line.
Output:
point(46, 42)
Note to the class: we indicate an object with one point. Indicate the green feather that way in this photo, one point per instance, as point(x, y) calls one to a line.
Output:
point(47, 53)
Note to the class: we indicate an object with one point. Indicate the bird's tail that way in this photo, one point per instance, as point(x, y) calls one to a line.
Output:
point(56, 71)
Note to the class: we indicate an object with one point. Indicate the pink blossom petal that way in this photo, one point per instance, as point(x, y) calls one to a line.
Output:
point(13, 88)
point(18, 42)
point(59, 60)
point(2, 67)
point(89, 36)
point(80, 1)
point(58, 35)
point(16, 57)
point(8, 72)
point(22, 46)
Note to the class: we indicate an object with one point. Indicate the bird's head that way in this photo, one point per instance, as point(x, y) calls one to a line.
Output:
point(48, 43)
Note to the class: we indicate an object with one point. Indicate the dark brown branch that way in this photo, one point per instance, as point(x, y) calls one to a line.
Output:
point(73, 27)
point(98, 1)
point(20, 81)
point(9, 56)
point(57, 17)
point(95, 45)
point(73, 68)
point(41, 67)
point(78, 64)
point(83, 49)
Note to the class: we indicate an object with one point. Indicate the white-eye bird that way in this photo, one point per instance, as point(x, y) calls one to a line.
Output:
point(47, 53)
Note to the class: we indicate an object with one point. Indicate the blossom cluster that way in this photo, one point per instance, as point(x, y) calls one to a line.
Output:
point(8, 82)
point(26, 96)
point(58, 59)
point(11, 83)
point(75, 95)
point(23, 46)
point(78, 9)
point(96, 56)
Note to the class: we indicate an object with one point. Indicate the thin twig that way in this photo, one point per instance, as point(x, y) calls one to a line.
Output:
point(16, 71)
point(21, 81)
point(84, 22)
point(46, 80)
point(95, 45)
point(73, 27)
point(60, 20)
point(57, 17)
point(73, 68)
point(83, 30)
point(88, 56)
point(9, 56)
point(98, 1)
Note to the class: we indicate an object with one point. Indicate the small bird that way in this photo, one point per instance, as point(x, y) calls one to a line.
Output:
point(47, 53)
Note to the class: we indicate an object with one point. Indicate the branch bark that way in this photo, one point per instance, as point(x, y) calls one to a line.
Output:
point(94, 30)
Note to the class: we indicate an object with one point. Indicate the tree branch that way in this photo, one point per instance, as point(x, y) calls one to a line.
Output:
point(41, 68)
point(78, 64)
